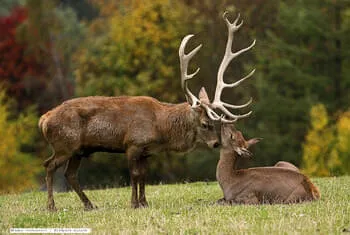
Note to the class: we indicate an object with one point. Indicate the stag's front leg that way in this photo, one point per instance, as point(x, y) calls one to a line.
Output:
point(134, 153)
point(142, 182)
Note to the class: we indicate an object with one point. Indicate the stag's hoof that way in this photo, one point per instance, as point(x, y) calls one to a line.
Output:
point(51, 208)
point(143, 204)
point(135, 205)
point(89, 207)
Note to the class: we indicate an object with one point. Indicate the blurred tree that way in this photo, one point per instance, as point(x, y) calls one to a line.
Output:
point(84, 9)
point(6, 6)
point(36, 43)
point(137, 55)
point(301, 61)
point(326, 151)
point(53, 34)
point(20, 71)
point(18, 168)
point(343, 142)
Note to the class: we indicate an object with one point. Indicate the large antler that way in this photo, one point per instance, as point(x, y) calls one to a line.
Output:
point(184, 60)
point(228, 57)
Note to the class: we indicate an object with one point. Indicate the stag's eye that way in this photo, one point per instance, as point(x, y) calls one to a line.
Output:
point(205, 125)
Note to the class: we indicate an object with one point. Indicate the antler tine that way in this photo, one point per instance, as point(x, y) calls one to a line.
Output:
point(230, 115)
point(234, 84)
point(224, 120)
point(184, 60)
point(211, 114)
point(228, 57)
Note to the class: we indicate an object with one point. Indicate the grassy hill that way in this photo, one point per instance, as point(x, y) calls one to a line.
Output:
point(181, 208)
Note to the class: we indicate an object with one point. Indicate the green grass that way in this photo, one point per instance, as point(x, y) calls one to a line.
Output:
point(181, 209)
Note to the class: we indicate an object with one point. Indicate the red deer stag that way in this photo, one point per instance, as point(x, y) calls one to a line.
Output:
point(136, 125)
point(281, 184)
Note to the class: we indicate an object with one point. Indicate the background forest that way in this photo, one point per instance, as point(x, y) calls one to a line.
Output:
point(54, 50)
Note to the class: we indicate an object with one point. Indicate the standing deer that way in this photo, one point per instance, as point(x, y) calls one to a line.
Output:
point(277, 184)
point(136, 125)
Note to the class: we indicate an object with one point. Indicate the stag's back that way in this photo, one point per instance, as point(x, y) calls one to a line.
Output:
point(101, 121)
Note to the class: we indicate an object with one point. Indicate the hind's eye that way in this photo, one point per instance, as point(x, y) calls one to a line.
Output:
point(205, 126)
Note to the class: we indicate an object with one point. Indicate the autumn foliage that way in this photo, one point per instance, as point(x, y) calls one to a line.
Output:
point(327, 145)
point(19, 70)
point(18, 168)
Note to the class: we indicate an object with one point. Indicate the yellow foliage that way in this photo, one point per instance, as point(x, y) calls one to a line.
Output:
point(18, 169)
point(137, 54)
point(319, 117)
point(326, 150)
point(343, 128)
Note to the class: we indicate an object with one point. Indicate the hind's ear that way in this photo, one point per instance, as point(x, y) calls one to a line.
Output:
point(203, 96)
point(252, 141)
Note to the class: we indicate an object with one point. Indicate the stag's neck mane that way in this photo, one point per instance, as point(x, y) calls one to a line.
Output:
point(179, 130)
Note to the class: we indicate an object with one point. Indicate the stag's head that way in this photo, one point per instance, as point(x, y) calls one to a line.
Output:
point(205, 127)
point(233, 139)
point(202, 105)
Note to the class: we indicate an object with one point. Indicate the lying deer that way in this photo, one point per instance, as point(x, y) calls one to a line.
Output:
point(139, 126)
point(281, 184)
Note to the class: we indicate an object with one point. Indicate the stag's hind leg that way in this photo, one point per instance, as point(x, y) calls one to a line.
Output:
point(52, 164)
point(142, 182)
point(71, 176)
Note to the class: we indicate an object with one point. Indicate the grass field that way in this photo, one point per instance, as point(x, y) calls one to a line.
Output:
point(181, 209)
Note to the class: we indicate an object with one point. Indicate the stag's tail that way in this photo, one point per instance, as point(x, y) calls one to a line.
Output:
point(43, 124)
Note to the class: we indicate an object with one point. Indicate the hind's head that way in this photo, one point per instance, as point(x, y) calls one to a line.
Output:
point(231, 138)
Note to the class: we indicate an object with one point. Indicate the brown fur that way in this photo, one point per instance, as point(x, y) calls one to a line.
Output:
point(258, 185)
point(287, 165)
point(137, 126)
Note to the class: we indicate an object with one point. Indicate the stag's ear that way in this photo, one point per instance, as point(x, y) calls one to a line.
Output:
point(203, 96)
point(252, 141)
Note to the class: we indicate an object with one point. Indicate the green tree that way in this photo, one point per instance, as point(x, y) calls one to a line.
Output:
point(302, 61)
